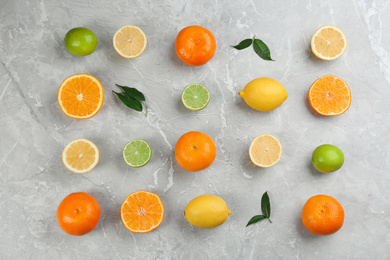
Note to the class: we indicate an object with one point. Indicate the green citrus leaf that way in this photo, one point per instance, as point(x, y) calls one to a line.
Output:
point(129, 101)
point(261, 49)
point(265, 205)
point(132, 92)
point(255, 219)
point(243, 44)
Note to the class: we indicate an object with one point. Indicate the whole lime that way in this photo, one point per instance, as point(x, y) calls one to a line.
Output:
point(80, 41)
point(327, 158)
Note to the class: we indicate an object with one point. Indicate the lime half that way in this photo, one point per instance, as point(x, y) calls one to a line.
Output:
point(195, 97)
point(137, 153)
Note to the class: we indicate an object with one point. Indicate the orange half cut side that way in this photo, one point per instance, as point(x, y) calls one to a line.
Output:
point(80, 96)
point(142, 212)
point(330, 96)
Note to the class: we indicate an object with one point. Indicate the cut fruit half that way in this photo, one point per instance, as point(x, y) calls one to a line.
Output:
point(142, 211)
point(129, 41)
point(80, 155)
point(80, 96)
point(330, 96)
point(328, 42)
point(195, 97)
point(265, 150)
point(137, 153)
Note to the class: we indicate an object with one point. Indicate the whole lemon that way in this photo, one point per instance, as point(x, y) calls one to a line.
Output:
point(207, 211)
point(264, 94)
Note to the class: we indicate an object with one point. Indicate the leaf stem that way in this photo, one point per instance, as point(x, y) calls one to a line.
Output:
point(269, 220)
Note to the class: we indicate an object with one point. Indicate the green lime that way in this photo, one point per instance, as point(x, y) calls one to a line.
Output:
point(327, 158)
point(137, 153)
point(80, 41)
point(195, 97)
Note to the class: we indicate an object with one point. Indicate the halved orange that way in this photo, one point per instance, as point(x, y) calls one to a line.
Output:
point(328, 42)
point(80, 96)
point(330, 96)
point(142, 211)
point(265, 150)
point(129, 41)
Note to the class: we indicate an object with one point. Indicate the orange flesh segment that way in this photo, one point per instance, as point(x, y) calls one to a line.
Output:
point(142, 212)
point(330, 95)
point(80, 96)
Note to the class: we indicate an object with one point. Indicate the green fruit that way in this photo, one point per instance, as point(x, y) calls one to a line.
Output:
point(327, 158)
point(207, 211)
point(137, 153)
point(195, 97)
point(80, 41)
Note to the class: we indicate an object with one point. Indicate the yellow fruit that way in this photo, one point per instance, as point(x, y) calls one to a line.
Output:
point(80, 155)
point(265, 150)
point(328, 42)
point(129, 41)
point(207, 211)
point(264, 94)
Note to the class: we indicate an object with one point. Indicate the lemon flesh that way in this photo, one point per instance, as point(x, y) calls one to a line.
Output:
point(264, 94)
point(207, 211)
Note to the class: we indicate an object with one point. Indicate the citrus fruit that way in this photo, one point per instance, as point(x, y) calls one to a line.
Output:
point(142, 211)
point(80, 155)
point(80, 41)
point(265, 150)
point(207, 211)
point(129, 41)
point(195, 45)
point(327, 158)
point(80, 96)
point(328, 42)
point(137, 153)
point(322, 215)
point(78, 214)
point(195, 97)
point(195, 151)
point(264, 94)
point(329, 96)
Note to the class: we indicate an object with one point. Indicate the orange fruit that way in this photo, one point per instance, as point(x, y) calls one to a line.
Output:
point(80, 96)
point(195, 45)
point(129, 41)
point(78, 214)
point(330, 96)
point(323, 215)
point(142, 211)
point(195, 151)
point(265, 150)
point(328, 42)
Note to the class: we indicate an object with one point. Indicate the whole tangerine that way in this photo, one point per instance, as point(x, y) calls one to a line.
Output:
point(78, 214)
point(323, 215)
point(195, 151)
point(195, 45)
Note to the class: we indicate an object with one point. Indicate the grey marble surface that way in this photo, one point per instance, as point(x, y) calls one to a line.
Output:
point(33, 129)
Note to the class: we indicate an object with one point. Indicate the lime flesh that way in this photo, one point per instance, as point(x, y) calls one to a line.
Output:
point(137, 153)
point(195, 97)
point(80, 41)
point(327, 158)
